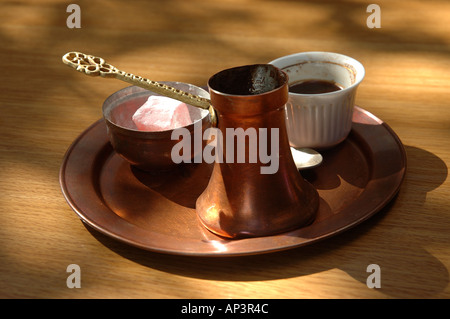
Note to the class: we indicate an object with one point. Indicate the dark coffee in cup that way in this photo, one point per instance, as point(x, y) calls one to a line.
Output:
point(314, 87)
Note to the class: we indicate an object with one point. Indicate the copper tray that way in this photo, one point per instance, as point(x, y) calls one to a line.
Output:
point(157, 212)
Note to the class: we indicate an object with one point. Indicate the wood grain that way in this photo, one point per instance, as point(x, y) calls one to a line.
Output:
point(45, 106)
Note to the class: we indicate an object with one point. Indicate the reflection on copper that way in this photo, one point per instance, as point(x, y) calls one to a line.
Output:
point(218, 245)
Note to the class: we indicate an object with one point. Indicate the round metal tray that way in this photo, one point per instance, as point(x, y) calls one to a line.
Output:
point(157, 212)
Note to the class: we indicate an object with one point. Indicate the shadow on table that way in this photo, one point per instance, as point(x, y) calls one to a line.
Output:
point(342, 252)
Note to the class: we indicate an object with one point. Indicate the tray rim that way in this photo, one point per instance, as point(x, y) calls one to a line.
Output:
point(293, 244)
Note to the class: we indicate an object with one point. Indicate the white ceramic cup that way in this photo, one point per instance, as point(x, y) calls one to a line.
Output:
point(320, 120)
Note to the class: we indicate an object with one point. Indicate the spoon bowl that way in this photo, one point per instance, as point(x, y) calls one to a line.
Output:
point(305, 158)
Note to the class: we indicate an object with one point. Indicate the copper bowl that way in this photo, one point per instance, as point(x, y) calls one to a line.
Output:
point(149, 151)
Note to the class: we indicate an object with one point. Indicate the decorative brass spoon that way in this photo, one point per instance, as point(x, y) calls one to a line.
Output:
point(97, 66)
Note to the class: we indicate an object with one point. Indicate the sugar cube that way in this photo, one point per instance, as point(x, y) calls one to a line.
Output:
point(160, 113)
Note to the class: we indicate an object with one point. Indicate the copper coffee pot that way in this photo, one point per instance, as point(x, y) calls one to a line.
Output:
point(241, 201)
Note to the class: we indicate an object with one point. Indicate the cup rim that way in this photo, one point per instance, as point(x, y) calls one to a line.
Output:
point(360, 70)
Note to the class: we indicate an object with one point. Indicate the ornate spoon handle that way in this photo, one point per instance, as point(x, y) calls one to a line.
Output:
point(96, 66)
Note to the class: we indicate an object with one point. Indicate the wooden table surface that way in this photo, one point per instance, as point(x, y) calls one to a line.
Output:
point(45, 106)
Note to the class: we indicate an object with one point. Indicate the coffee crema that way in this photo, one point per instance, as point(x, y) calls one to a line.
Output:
point(314, 87)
